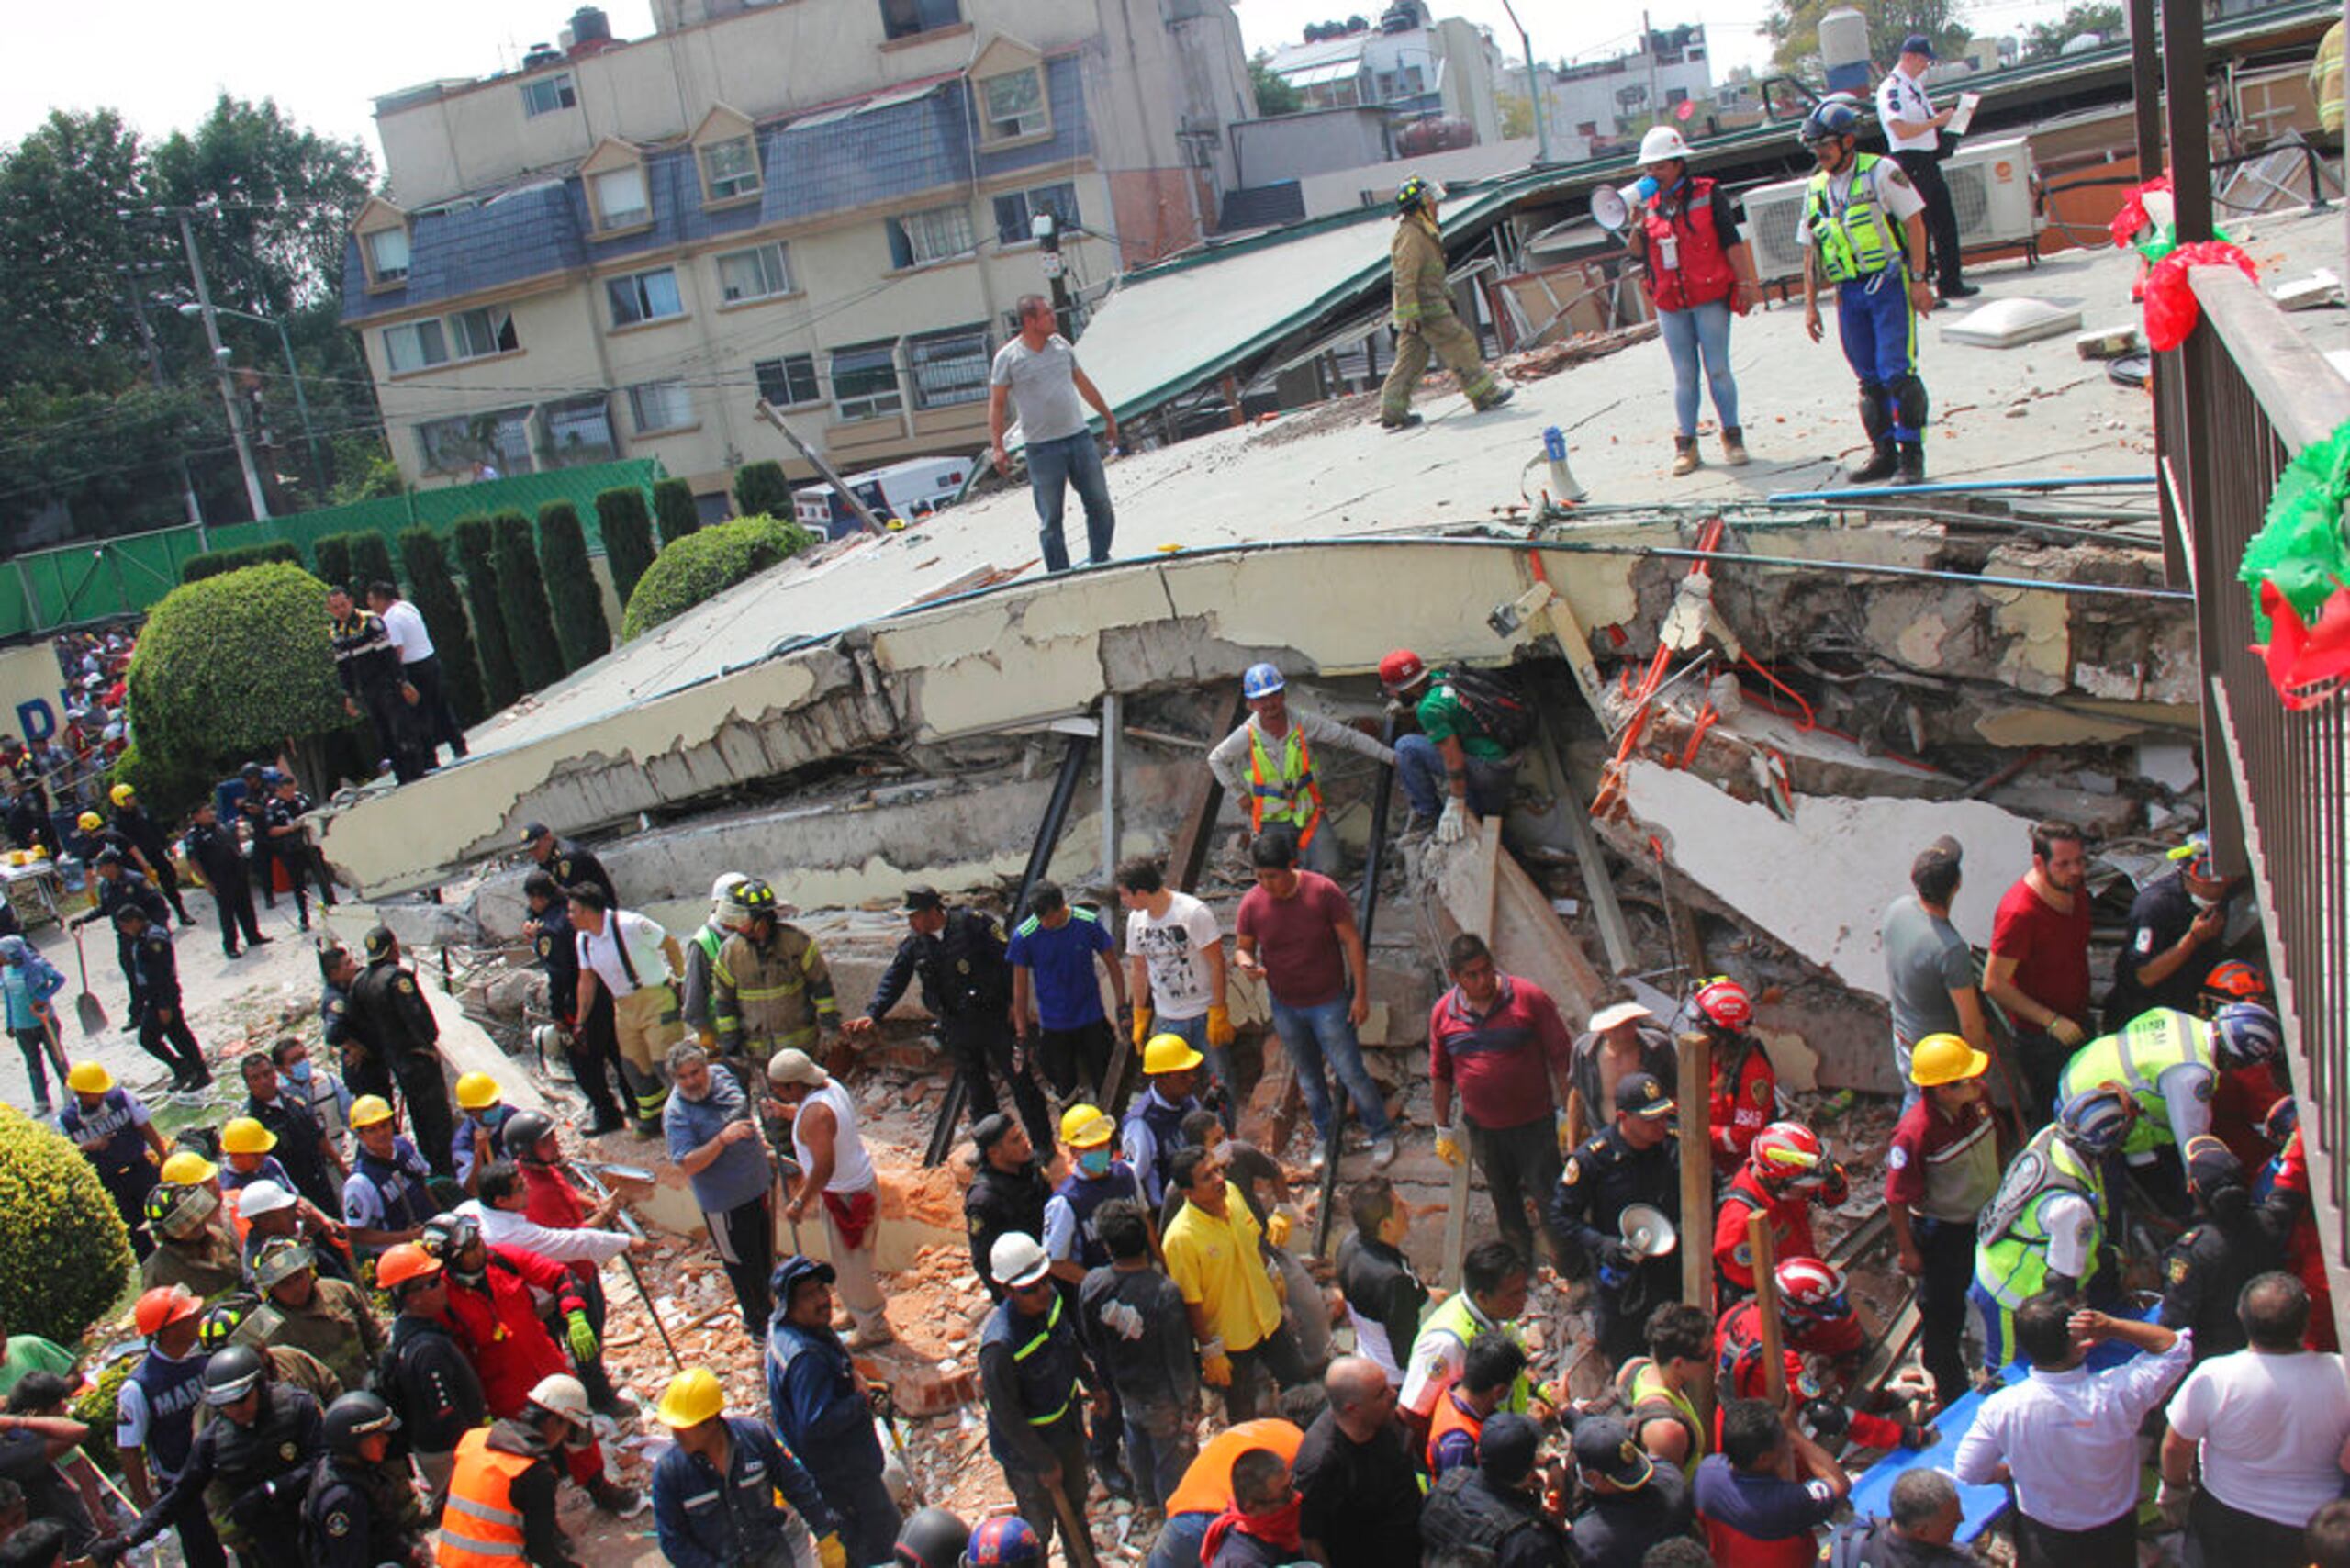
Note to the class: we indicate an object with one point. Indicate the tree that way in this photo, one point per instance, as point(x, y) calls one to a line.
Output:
point(63, 1252)
point(627, 528)
point(434, 593)
point(212, 563)
point(2044, 40)
point(370, 559)
point(1794, 27)
point(522, 601)
point(1517, 115)
point(64, 190)
point(760, 490)
point(674, 505)
point(572, 589)
point(332, 554)
point(475, 542)
point(708, 564)
point(1274, 94)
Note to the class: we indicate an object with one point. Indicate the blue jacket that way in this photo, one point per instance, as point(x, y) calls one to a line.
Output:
point(29, 985)
point(811, 1390)
point(706, 1521)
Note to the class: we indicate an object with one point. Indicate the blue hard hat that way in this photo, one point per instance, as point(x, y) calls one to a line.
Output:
point(1000, 1542)
point(1829, 121)
point(1260, 681)
point(2096, 1120)
point(2247, 1033)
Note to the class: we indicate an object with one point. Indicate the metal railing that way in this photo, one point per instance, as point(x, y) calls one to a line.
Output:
point(2233, 403)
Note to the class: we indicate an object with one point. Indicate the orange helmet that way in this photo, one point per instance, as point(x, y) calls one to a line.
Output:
point(2236, 980)
point(1723, 1002)
point(1786, 1155)
point(1401, 670)
point(165, 1305)
point(400, 1264)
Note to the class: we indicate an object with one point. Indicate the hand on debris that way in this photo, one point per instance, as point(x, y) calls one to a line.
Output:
point(1453, 824)
point(1448, 1146)
point(1219, 1027)
point(1215, 1370)
point(2064, 1032)
point(582, 1335)
point(830, 1552)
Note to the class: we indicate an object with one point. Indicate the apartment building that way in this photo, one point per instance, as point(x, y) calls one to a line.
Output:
point(618, 249)
point(1601, 102)
point(1409, 64)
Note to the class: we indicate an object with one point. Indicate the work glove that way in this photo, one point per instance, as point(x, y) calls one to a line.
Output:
point(1566, 1133)
point(1142, 1026)
point(582, 1335)
point(2171, 1500)
point(1448, 1146)
point(1219, 1027)
point(1453, 822)
point(1277, 1229)
point(1216, 1369)
point(830, 1552)
point(1614, 1255)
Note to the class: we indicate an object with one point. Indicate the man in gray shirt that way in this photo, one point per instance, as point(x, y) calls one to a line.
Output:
point(1036, 374)
point(1929, 968)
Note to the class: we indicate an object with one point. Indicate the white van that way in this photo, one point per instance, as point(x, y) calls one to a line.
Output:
point(912, 490)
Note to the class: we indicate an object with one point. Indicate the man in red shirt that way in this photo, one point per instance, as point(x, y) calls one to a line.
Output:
point(2039, 968)
point(1498, 1040)
point(1297, 933)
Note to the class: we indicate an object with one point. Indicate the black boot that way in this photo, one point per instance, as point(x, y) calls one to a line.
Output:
point(1911, 461)
point(1878, 468)
point(1878, 419)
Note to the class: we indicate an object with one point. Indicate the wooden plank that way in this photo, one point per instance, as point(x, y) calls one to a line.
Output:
point(1695, 1075)
point(1762, 1247)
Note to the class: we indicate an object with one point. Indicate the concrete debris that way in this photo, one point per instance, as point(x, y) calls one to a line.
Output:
point(2011, 323)
point(2109, 342)
point(1533, 364)
point(2321, 288)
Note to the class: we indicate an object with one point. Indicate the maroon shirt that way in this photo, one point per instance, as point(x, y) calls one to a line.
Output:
point(1497, 1062)
point(1297, 939)
point(2050, 947)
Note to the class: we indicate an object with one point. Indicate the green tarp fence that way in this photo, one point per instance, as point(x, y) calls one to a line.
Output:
point(49, 590)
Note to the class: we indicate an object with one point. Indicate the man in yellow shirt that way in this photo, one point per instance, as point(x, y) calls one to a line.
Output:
point(1215, 1255)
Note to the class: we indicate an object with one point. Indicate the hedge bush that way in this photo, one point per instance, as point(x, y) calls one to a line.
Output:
point(212, 563)
point(522, 601)
point(627, 527)
point(64, 1257)
point(434, 593)
point(95, 1408)
point(673, 505)
point(760, 489)
point(573, 592)
point(332, 554)
point(708, 563)
point(476, 539)
point(371, 560)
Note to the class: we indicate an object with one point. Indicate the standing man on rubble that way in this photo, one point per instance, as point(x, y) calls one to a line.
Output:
point(369, 668)
point(1007, 1193)
point(391, 1012)
point(593, 1060)
point(714, 1139)
point(1054, 955)
point(725, 919)
point(1929, 968)
point(2039, 968)
point(1175, 968)
point(836, 1175)
point(1635, 1161)
point(1455, 764)
point(1268, 762)
point(2172, 921)
point(627, 956)
point(769, 989)
point(1037, 374)
point(1032, 1364)
point(1499, 1039)
point(1940, 1169)
point(1424, 318)
point(816, 1399)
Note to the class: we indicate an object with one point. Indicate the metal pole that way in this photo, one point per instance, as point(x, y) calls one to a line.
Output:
point(2145, 87)
point(1112, 708)
point(863, 513)
point(1533, 88)
point(221, 368)
point(2186, 104)
point(301, 408)
point(155, 369)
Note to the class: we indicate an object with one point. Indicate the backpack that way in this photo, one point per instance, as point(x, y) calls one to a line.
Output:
point(1848, 1546)
point(1494, 701)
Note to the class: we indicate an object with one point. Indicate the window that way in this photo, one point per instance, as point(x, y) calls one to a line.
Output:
point(789, 380)
point(755, 273)
point(949, 367)
point(658, 406)
point(645, 297)
point(580, 431)
point(621, 201)
point(1015, 212)
point(545, 94)
point(501, 439)
point(1012, 106)
point(415, 345)
point(905, 18)
point(1588, 129)
point(730, 168)
point(1676, 96)
point(930, 235)
point(484, 331)
point(388, 254)
point(865, 380)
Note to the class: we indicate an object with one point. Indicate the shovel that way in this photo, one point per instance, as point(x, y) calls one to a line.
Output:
point(86, 1006)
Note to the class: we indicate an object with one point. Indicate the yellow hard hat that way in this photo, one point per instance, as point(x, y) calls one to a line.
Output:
point(1084, 1126)
point(1168, 1053)
point(365, 1110)
point(476, 1090)
point(122, 794)
point(90, 822)
point(89, 1078)
point(1944, 1058)
point(188, 1169)
point(246, 1136)
point(692, 1397)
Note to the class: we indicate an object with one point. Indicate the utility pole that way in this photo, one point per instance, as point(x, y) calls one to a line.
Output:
point(1533, 88)
point(155, 368)
point(221, 368)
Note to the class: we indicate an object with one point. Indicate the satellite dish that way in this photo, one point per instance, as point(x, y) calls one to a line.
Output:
point(1647, 1231)
point(1611, 208)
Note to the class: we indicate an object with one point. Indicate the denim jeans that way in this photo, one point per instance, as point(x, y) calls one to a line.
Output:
point(1052, 466)
point(1195, 1034)
point(1159, 1448)
point(1310, 1033)
point(1419, 762)
point(1702, 331)
point(1178, 1541)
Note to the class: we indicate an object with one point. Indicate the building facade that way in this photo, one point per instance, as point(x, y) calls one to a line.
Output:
point(619, 249)
point(1598, 102)
point(1409, 65)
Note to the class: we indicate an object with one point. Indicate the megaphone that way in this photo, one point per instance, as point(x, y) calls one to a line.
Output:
point(1647, 1231)
point(1611, 208)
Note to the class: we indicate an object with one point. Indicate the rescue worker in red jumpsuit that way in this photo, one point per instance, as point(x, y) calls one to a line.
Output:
point(1816, 1321)
point(2245, 1091)
point(2288, 1172)
point(1786, 1170)
point(551, 1199)
point(1744, 1098)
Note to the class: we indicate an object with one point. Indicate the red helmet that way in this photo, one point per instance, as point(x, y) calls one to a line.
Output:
point(1723, 1002)
point(1812, 1293)
point(1786, 1155)
point(163, 1306)
point(1401, 670)
point(2237, 982)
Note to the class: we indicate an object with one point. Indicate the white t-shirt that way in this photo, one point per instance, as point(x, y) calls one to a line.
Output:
point(602, 954)
point(1172, 947)
point(404, 624)
point(1903, 97)
point(2271, 1429)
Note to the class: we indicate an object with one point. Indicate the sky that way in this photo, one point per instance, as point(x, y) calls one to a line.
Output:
point(326, 63)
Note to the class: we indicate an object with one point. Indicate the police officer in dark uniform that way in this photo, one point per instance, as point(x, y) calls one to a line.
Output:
point(1638, 1161)
point(363, 1071)
point(120, 887)
point(1008, 1194)
point(2233, 1240)
point(2178, 926)
point(362, 1511)
point(369, 667)
point(290, 845)
point(967, 986)
point(214, 850)
point(132, 820)
point(163, 1033)
point(594, 1064)
point(388, 1009)
point(115, 1135)
point(570, 866)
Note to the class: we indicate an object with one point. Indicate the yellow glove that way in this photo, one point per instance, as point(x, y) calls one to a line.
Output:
point(1216, 1369)
point(1142, 1026)
point(1277, 1229)
point(1448, 1146)
point(1219, 1027)
point(830, 1552)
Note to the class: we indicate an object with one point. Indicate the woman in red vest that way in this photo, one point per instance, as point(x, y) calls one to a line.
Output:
point(1698, 273)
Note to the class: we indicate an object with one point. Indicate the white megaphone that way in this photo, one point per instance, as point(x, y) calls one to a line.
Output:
point(1647, 1230)
point(1612, 207)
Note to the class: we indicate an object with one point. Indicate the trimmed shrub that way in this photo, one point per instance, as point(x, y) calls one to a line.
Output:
point(760, 490)
point(371, 560)
point(332, 555)
point(571, 590)
point(64, 1257)
point(627, 526)
point(95, 1408)
point(673, 506)
point(708, 564)
point(434, 593)
point(500, 684)
point(169, 788)
point(212, 563)
point(522, 598)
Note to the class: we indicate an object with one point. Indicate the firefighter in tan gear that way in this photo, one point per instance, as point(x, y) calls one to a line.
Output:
point(1424, 322)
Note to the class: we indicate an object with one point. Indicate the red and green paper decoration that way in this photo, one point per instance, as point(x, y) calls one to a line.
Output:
point(2298, 569)
point(2171, 310)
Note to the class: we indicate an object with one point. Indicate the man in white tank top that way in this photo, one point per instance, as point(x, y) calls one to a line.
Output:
point(837, 1174)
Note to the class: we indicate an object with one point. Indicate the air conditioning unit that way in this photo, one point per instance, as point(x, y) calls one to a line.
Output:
point(1773, 215)
point(1990, 190)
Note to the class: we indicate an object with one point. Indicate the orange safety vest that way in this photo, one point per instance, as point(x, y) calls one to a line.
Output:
point(480, 1529)
point(1284, 786)
point(1450, 1418)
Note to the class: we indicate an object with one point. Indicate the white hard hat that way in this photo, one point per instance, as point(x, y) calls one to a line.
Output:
point(1017, 1259)
point(264, 1197)
point(1663, 141)
point(726, 883)
point(560, 1393)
